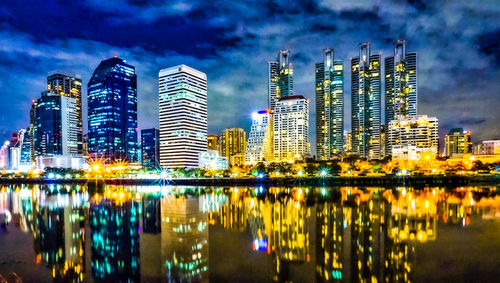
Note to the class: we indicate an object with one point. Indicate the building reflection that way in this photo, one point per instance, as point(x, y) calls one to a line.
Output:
point(346, 234)
point(114, 226)
point(59, 233)
point(184, 239)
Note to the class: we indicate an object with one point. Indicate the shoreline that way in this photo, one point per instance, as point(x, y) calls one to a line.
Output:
point(418, 181)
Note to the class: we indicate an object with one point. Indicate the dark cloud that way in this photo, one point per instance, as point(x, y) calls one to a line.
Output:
point(457, 44)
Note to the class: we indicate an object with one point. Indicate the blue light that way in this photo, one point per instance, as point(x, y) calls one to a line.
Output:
point(51, 176)
point(261, 175)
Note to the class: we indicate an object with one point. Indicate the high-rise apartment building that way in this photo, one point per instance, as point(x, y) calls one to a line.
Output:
point(233, 144)
point(291, 129)
point(457, 143)
point(280, 78)
point(150, 142)
point(183, 116)
point(365, 96)
point(401, 92)
point(413, 136)
point(55, 126)
point(70, 86)
point(112, 111)
point(348, 142)
point(260, 138)
point(329, 106)
point(213, 142)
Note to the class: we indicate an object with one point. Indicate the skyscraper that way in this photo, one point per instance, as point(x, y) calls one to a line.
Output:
point(401, 90)
point(70, 86)
point(260, 138)
point(280, 78)
point(183, 116)
point(112, 111)
point(457, 143)
point(365, 95)
point(329, 106)
point(291, 129)
point(150, 142)
point(233, 144)
point(55, 129)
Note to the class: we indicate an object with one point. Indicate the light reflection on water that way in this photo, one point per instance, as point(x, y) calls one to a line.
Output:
point(197, 234)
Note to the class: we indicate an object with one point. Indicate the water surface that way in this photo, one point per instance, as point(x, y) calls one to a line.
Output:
point(253, 234)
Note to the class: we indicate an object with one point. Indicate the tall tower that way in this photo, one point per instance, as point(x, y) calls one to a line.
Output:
point(365, 95)
point(291, 129)
point(260, 138)
point(329, 106)
point(280, 78)
point(183, 116)
point(401, 91)
point(55, 129)
point(112, 111)
point(69, 86)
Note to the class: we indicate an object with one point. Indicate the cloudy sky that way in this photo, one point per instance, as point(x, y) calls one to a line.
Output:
point(458, 44)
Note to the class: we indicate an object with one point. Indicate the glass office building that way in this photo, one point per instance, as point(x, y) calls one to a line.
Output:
point(112, 111)
point(150, 148)
point(329, 87)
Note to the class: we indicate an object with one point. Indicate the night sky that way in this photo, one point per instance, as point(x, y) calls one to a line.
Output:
point(458, 44)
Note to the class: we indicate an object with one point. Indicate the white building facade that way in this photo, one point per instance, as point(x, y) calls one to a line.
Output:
point(211, 160)
point(260, 138)
point(291, 129)
point(410, 137)
point(183, 116)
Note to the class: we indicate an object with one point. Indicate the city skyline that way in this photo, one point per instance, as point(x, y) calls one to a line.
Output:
point(457, 87)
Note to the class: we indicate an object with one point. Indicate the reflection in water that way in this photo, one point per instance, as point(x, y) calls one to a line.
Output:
point(114, 229)
point(337, 235)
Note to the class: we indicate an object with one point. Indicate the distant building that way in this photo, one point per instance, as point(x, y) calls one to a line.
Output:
point(280, 78)
point(25, 163)
point(112, 111)
point(55, 128)
point(365, 103)
point(69, 86)
point(150, 142)
point(260, 138)
point(233, 144)
point(491, 147)
point(85, 144)
point(183, 116)
point(329, 86)
point(411, 137)
point(457, 143)
point(213, 142)
point(291, 129)
point(212, 160)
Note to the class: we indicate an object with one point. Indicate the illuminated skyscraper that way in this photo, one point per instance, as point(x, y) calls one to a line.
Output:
point(365, 95)
point(183, 116)
point(401, 90)
point(55, 129)
point(457, 143)
point(150, 148)
point(213, 142)
point(411, 137)
point(260, 139)
point(329, 106)
point(291, 129)
point(233, 144)
point(70, 86)
point(112, 111)
point(280, 78)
